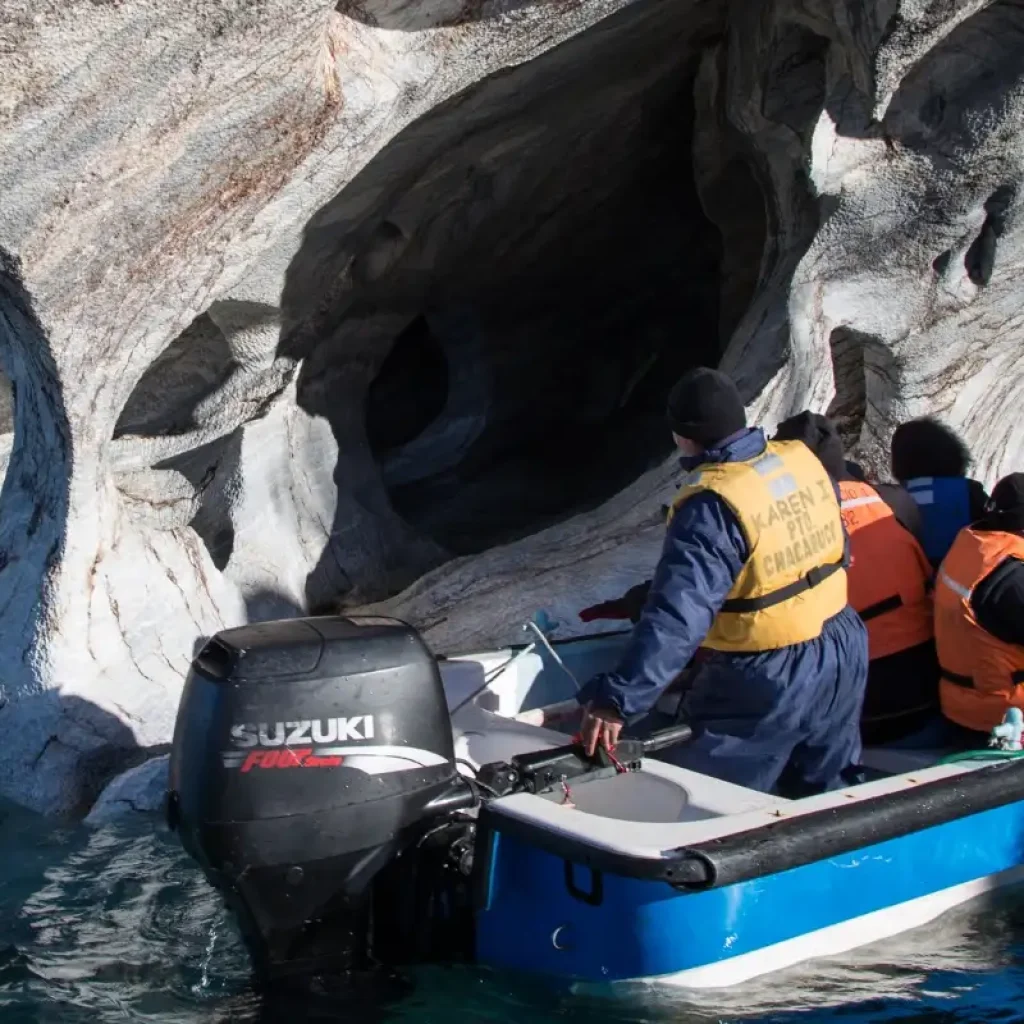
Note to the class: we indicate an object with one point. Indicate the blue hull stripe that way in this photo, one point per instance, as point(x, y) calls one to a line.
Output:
point(643, 929)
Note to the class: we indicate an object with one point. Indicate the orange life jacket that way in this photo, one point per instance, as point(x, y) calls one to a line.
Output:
point(981, 676)
point(889, 573)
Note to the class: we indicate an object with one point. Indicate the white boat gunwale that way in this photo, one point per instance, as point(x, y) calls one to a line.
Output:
point(793, 834)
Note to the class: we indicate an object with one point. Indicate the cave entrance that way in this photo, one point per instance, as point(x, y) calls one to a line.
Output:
point(503, 297)
point(543, 234)
point(409, 392)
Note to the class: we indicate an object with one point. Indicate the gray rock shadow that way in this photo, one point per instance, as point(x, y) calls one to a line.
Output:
point(63, 750)
point(417, 15)
point(191, 369)
point(266, 605)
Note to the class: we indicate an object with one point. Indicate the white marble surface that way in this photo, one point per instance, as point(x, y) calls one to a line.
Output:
point(193, 174)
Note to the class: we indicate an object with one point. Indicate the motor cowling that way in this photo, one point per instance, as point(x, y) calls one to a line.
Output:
point(307, 755)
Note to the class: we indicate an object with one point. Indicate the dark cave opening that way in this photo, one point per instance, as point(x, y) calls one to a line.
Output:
point(625, 299)
point(410, 390)
point(495, 308)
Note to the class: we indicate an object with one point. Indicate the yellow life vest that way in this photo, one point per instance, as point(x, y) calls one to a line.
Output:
point(793, 580)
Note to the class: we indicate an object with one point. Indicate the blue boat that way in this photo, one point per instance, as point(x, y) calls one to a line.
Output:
point(360, 800)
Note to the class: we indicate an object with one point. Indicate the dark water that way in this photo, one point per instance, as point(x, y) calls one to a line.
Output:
point(116, 925)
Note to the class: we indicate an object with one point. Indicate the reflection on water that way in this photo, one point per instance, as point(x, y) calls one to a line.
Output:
point(116, 925)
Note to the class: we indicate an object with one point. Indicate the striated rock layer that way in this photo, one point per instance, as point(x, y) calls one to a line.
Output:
point(299, 301)
point(886, 143)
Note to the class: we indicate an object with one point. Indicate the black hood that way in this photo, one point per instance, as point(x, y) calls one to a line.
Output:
point(820, 435)
point(1005, 509)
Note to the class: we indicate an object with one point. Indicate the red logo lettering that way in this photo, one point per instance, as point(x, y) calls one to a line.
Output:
point(288, 758)
point(322, 762)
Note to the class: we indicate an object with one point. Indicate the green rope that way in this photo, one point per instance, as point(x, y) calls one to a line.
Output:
point(981, 755)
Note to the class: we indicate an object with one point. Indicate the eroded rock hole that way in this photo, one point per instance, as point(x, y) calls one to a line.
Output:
point(980, 258)
point(409, 392)
point(794, 88)
point(191, 368)
point(568, 276)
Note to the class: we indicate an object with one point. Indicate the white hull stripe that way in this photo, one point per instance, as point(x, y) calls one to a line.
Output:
point(830, 941)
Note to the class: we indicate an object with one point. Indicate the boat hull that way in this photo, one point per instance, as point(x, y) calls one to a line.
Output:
point(581, 894)
point(580, 926)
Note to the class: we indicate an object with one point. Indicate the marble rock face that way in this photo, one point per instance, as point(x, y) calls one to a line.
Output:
point(375, 304)
point(140, 790)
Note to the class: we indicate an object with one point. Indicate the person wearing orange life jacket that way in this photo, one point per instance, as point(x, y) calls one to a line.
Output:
point(889, 586)
point(979, 614)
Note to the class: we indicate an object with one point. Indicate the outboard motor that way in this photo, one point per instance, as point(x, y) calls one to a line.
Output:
point(309, 755)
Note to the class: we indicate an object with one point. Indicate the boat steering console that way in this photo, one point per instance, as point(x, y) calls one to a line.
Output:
point(545, 770)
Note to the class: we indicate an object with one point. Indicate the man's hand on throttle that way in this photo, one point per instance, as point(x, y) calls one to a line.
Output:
point(599, 727)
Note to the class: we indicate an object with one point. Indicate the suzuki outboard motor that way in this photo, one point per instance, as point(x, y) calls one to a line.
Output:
point(309, 755)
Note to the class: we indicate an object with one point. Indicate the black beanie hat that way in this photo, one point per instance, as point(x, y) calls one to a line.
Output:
point(704, 406)
point(820, 435)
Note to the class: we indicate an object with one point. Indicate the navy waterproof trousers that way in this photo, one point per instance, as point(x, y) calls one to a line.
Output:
point(794, 710)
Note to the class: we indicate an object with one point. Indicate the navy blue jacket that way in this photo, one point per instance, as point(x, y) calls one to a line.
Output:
point(703, 554)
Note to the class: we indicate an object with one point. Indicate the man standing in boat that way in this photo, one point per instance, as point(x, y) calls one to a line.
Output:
point(752, 573)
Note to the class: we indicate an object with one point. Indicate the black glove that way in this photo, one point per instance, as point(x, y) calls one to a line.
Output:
point(629, 606)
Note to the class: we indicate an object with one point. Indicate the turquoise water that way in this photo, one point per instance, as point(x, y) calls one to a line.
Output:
point(116, 925)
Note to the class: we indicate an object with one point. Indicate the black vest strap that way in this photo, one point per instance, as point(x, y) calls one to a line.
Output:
point(968, 683)
point(814, 578)
point(956, 679)
point(890, 604)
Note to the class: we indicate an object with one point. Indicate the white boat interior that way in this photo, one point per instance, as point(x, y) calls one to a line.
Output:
point(492, 694)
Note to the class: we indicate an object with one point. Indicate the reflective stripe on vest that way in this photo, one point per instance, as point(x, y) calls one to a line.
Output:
point(958, 588)
point(889, 574)
point(922, 489)
point(981, 676)
point(867, 499)
point(793, 580)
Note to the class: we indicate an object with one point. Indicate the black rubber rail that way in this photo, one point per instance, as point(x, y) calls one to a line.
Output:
point(789, 842)
point(803, 839)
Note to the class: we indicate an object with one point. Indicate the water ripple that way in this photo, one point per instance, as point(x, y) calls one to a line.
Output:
point(116, 924)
